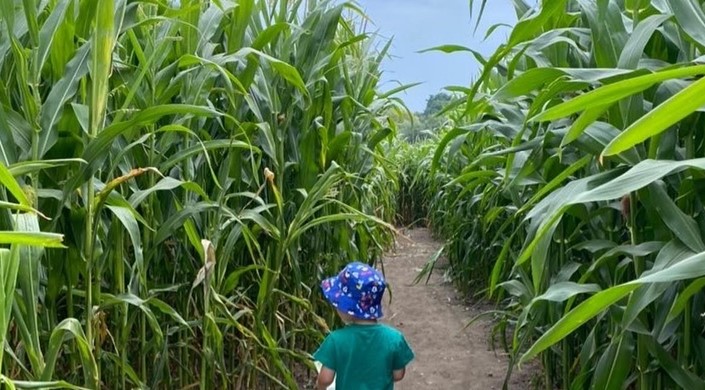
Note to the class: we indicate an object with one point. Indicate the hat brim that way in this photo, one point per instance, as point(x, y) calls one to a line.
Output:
point(335, 296)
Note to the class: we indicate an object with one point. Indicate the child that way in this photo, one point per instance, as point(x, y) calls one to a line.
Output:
point(365, 354)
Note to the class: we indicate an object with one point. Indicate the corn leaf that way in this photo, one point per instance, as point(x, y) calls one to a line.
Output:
point(659, 119)
point(691, 18)
point(49, 240)
point(8, 181)
point(616, 91)
point(70, 329)
point(62, 91)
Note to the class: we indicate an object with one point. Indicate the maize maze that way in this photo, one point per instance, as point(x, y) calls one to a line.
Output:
point(177, 176)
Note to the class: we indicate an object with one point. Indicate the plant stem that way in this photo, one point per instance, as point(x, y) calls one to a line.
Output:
point(565, 355)
point(639, 265)
point(88, 254)
point(119, 282)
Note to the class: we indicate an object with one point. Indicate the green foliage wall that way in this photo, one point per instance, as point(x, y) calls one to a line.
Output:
point(204, 163)
point(573, 194)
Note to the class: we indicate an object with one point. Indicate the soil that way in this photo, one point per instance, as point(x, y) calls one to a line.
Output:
point(433, 317)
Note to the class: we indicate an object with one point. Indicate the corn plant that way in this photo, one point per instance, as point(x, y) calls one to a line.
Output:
point(577, 196)
point(206, 162)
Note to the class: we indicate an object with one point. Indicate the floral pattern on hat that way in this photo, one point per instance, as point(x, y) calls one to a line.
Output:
point(356, 290)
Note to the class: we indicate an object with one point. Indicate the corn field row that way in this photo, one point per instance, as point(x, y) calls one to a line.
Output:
point(175, 177)
point(569, 188)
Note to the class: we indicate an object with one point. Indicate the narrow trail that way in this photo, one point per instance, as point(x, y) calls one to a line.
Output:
point(432, 317)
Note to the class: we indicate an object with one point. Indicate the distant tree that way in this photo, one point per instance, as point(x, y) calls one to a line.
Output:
point(424, 125)
point(436, 103)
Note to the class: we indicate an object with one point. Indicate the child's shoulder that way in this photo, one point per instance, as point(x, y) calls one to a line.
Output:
point(385, 329)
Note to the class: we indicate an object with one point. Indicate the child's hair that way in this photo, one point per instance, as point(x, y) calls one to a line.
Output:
point(347, 318)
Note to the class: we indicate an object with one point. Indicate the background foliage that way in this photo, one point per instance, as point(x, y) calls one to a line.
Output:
point(570, 190)
point(420, 126)
point(204, 163)
point(175, 178)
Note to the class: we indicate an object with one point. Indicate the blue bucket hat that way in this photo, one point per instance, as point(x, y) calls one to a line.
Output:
point(356, 290)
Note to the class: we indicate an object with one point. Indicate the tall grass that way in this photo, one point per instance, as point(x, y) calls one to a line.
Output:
point(204, 163)
point(573, 194)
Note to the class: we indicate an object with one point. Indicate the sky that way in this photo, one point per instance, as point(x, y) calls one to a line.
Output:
point(416, 25)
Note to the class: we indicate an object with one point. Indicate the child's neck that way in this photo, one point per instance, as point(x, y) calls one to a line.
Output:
point(363, 322)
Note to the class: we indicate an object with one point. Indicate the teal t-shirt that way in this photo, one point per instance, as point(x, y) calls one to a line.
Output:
point(364, 356)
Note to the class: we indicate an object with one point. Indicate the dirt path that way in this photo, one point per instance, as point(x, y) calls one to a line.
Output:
point(432, 318)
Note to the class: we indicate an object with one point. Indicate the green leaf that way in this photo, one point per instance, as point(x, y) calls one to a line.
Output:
point(97, 150)
point(45, 385)
point(691, 18)
point(166, 184)
point(269, 34)
point(634, 49)
point(555, 182)
point(683, 378)
point(7, 152)
point(131, 299)
point(61, 92)
point(9, 267)
point(661, 118)
point(577, 317)
point(226, 75)
point(177, 220)
point(205, 146)
point(7, 14)
point(28, 167)
point(585, 119)
point(8, 181)
point(48, 240)
point(559, 292)
point(577, 192)
point(608, 31)
point(267, 226)
point(614, 366)
point(15, 206)
point(398, 89)
point(684, 297)
point(614, 92)
point(168, 310)
point(288, 72)
point(70, 329)
point(103, 40)
point(683, 227)
point(671, 253)
point(689, 268)
point(471, 175)
point(28, 279)
point(526, 83)
point(447, 49)
point(378, 137)
point(455, 49)
point(125, 217)
point(48, 32)
point(233, 279)
point(529, 27)
point(450, 136)
point(597, 135)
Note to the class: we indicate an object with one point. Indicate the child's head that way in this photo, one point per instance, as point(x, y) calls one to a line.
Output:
point(356, 292)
